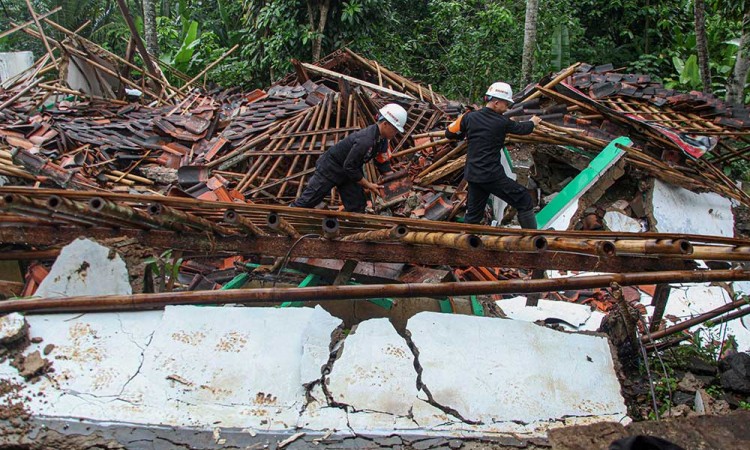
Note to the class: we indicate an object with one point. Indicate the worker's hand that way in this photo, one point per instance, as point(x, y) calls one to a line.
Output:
point(374, 189)
point(537, 120)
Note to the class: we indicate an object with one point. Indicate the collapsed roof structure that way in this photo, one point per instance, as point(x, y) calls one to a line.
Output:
point(203, 179)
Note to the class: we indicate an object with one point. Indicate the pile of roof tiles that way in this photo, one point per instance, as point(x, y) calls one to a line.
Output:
point(262, 146)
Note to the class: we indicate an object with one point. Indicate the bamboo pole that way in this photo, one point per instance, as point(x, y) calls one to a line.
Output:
point(278, 223)
point(421, 147)
point(563, 75)
point(450, 240)
point(208, 67)
point(243, 223)
point(41, 32)
point(684, 325)
point(103, 207)
point(331, 228)
point(30, 22)
point(171, 215)
point(439, 163)
point(654, 247)
point(515, 243)
point(19, 94)
point(347, 293)
point(395, 233)
point(585, 246)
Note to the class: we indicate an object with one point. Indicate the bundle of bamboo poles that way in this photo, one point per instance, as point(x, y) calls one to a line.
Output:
point(225, 219)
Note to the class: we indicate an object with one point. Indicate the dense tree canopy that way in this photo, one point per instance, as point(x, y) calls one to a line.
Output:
point(457, 46)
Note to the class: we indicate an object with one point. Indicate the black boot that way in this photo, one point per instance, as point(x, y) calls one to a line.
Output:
point(527, 219)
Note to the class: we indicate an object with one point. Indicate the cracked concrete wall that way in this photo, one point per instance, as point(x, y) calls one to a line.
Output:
point(271, 369)
point(672, 209)
point(521, 375)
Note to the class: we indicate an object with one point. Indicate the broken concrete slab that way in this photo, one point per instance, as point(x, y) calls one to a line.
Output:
point(317, 414)
point(672, 209)
point(209, 367)
point(13, 63)
point(569, 314)
point(94, 358)
point(13, 327)
point(186, 366)
point(526, 373)
point(261, 360)
point(375, 371)
point(690, 300)
point(619, 222)
point(85, 267)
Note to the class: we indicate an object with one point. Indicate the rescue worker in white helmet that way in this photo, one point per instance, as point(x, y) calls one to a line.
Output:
point(485, 130)
point(341, 165)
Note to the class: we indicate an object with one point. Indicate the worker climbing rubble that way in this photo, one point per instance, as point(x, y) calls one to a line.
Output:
point(485, 130)
point(341, 165)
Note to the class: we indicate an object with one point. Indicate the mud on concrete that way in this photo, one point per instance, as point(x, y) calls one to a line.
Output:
point(57, 434)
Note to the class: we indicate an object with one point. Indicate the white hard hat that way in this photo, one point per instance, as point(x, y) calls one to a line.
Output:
point(501, 91)
point(395, 115)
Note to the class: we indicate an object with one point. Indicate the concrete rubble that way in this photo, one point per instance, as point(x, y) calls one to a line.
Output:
point(85, 267)
point(12, 328)
point(231, 368)
point(144, 227)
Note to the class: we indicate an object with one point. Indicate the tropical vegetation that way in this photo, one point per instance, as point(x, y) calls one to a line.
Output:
point(458, 47)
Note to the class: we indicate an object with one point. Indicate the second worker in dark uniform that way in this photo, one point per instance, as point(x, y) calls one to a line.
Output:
point(485, 131)
point(341, 165)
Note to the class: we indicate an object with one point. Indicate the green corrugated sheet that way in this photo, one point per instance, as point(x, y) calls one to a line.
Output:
point(580, 184)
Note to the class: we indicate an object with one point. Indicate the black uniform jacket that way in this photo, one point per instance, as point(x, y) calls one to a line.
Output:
point(343, 162)
point(485, 130)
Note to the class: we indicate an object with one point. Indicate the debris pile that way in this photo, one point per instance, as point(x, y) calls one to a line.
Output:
point(206, 164)
point(186, 192)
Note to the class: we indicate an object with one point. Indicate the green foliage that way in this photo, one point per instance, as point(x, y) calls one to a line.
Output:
point(561, 48)
point(688, 71)
point(165, 267)
point(738, 170)
point(459, 47)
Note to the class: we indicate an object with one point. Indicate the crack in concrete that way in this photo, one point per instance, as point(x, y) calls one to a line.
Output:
point(423, 387)
point(82, 395)
point(335, 350)
point(177, 444)
point(130, 335)
point(140, 366)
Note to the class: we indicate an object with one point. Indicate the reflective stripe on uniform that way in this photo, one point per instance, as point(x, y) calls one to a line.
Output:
point(384, 157)
point(455, 127)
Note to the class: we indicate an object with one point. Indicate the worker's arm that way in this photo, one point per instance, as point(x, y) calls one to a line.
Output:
point(353, 166)
point(355, 159)
point(456, 130)
point(526, 127)
point(382, 159)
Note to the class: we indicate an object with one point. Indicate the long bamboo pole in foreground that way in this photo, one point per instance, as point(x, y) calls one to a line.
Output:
point(252, 296)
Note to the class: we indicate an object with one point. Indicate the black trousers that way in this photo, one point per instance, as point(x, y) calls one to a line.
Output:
point(508, 190)
point(352, 194)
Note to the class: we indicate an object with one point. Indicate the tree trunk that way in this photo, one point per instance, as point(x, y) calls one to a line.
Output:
point(702, 44)
point(149, 27)
point(647, 29)
point(317, 14)
point(736, 81)
point(529, 41)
